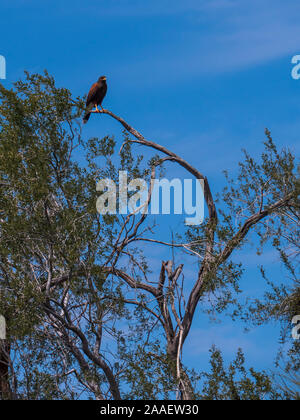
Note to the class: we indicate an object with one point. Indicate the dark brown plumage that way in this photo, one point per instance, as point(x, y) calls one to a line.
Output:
point(95, 97)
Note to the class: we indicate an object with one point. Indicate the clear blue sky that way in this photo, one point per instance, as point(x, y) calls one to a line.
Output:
point(202, 77)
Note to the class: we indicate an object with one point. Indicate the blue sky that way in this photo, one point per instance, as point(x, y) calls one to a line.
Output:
point(202, 77)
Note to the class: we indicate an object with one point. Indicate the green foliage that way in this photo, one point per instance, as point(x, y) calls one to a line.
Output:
point(236, 382)
point(50, 229)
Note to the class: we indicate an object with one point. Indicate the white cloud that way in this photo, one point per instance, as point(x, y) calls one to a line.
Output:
point(221, 36)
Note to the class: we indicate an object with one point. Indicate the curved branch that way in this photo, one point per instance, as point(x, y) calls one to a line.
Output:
point(198, 175)
point(67, 323)
point(251, 221)
point(130, 281)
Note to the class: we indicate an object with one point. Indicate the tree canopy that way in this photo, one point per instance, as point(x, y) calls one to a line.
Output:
point(87, 315)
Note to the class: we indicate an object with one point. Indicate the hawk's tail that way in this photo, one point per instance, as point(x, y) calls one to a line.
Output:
point(86, 117)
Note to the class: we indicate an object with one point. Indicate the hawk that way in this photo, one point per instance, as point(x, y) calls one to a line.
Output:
point(95, 97)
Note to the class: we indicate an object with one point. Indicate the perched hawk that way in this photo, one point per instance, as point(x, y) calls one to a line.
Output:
point(95, 97)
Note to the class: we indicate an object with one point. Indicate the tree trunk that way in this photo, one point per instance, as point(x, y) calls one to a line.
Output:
point(5, 390)
point(184, 384)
